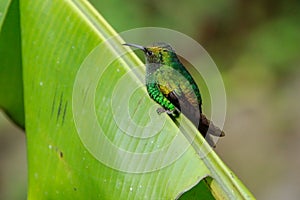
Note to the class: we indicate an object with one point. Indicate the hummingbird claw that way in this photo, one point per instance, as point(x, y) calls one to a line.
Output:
point(162, 110)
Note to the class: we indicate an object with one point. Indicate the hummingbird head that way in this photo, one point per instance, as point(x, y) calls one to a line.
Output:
point(158, 53)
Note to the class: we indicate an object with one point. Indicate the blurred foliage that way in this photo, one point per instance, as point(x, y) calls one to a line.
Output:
point(268, 30)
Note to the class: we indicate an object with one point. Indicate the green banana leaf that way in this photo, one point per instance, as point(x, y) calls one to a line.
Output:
point(85, 128)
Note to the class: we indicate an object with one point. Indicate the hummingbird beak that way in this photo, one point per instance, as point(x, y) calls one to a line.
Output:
point(136, 46)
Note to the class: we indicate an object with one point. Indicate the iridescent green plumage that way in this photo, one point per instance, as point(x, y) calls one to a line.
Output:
point(171, 85)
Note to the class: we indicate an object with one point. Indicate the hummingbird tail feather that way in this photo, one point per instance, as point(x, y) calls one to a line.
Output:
point(207, 127)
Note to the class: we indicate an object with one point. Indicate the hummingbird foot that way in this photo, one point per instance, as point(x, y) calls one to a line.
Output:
point(169, 112)
point(162, 110)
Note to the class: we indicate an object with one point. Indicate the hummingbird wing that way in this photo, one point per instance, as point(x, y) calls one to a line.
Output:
point(178, 90)
point(181, 101)
point(173, 98)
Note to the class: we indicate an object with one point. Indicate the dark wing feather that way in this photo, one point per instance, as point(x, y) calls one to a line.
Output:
point(173, 98)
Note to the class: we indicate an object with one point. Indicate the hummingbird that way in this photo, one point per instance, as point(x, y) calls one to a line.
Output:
point(169, 84)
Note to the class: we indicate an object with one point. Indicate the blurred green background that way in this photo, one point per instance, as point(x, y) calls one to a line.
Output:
point(256, 45)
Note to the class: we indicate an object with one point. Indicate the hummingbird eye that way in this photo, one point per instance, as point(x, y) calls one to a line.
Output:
point(149, 53)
